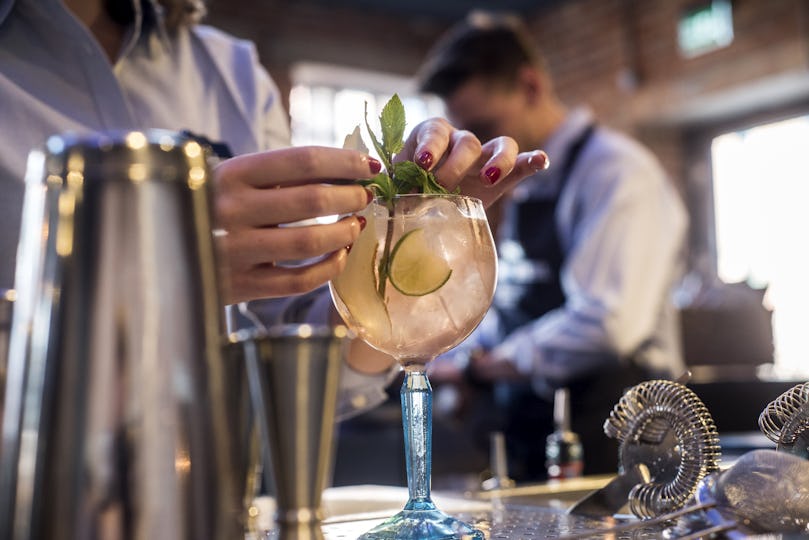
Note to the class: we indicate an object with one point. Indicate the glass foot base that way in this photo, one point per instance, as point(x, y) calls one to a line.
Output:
point(422, 525)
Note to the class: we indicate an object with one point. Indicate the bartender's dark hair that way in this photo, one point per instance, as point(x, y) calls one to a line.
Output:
point(491, 46)
point(182, 12)
point(176, 13)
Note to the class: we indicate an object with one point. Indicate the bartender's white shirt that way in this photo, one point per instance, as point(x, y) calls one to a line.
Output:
point(54, 77)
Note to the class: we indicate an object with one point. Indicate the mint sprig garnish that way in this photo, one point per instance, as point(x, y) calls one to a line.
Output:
point(401, 177)
point(396, 178)
point(392, 122)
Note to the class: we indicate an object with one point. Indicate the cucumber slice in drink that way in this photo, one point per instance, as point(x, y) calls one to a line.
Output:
point(356, 287)
point(414, 269)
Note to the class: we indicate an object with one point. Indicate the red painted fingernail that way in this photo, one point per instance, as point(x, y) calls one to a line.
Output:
point(493, 174)
point(363, 222)
point(426, 159)
point(374, 165)
point(369, 196)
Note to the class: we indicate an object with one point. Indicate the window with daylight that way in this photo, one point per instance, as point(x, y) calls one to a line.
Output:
point(761, 189)
point(327, 102)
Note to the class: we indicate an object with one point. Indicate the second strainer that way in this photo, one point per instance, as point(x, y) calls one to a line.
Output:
point(785, 421)
point(665, 426)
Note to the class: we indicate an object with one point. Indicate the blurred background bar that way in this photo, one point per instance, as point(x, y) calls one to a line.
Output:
point(718, 89)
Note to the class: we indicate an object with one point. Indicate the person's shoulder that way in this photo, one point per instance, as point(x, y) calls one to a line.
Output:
point(623, 158)
point(610, 143)
point(237, 62)
point(222, 43)
point(248, 82)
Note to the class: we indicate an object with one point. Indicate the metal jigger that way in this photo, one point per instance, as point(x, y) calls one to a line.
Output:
point(6, 307)
point(244, 440)
point(294, 373)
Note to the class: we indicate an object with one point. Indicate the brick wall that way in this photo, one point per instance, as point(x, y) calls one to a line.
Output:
point(619, 56)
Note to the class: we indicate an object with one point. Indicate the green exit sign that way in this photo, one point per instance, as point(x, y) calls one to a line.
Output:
point(705, 28)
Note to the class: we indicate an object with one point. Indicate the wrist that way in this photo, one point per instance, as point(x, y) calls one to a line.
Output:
point(366, 360)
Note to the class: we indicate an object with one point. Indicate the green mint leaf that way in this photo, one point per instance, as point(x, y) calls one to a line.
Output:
point(386, 157)
point(397, 178)
point(353, 141)
point(382, 185)
point(433, 187)
point(408, 177)
point(392, 121)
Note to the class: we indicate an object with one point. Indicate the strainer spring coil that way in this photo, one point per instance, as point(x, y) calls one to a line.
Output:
point(786, 418)
point(644, 415)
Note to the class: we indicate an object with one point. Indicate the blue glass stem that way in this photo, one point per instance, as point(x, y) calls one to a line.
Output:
point(420, 519)
point(417, 419)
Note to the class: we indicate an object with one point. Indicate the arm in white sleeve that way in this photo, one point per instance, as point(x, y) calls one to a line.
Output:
point(252, 90)
point(274, 130)
point(358, 391)
point(622, 254)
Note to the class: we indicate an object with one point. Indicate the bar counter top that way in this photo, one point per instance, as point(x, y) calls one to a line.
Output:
point(527, 512)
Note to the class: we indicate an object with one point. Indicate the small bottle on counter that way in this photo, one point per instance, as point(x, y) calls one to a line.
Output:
point(499, 464)
point(564, 457)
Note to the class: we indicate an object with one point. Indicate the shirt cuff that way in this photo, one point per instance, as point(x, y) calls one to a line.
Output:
point(360, 392)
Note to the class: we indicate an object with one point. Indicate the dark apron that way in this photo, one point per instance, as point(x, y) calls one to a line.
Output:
point(522, 297)
point(525, 296)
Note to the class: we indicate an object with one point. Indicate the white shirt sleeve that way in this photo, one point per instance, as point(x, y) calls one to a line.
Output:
point(260, 98)
point(251, 88)
point(275, 131)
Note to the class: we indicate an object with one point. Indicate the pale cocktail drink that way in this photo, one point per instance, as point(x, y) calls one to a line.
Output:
point(441, 275)
point(417, 281)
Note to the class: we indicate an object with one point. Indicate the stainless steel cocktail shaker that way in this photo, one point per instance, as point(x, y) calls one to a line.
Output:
point(117, 417)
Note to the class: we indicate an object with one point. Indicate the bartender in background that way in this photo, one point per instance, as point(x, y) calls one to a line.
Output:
point(589, 249)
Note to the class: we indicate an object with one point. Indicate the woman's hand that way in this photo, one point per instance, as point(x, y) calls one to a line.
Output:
point(457, 158)
point(256, 194)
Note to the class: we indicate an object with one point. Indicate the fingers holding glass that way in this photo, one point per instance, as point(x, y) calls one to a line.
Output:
point(257, 194)
point(463, 153)
point(428, 142)
point(279, 261)
point(437, 146)
point(295, 166)
point(500, 155)
point(249, 207)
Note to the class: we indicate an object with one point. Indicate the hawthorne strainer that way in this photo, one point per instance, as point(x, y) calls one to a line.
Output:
point(664, 426)
point(785, 421)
